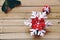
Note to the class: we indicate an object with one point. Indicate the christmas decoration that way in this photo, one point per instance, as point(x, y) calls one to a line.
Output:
point(9, 5)
point(46, 9)
point(37, 23)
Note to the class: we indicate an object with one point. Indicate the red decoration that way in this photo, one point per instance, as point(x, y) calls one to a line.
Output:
point(37, 22)
point(46, 9)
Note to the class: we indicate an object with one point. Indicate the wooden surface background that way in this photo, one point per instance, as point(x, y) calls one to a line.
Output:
point(12, 24)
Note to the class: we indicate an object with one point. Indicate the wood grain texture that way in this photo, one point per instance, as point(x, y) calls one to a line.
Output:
point(29, 9)
point(12, 24)
point(21, 22)
point(25, 15)
point(0, 29)
point(27, 35)
point(36, 2)
point(25, 29)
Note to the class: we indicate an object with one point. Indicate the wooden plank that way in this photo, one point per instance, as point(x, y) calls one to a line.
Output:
point(29, 9)
point(34, 39)
point(40, 2)
point(54, 15)
point(36, 2)
point(15, 29)
point(15, 36)
point(25, 29)
point(21, 22)
point(26, 15)
point(27, 35)
point(1, 2)
point(0, 29)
